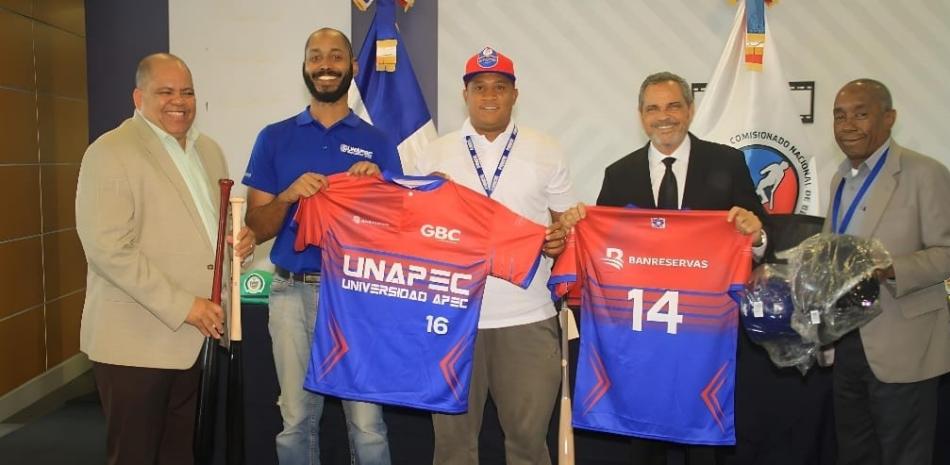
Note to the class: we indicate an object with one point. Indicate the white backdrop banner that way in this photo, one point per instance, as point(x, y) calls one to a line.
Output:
point(749, 106)
point(580, 64)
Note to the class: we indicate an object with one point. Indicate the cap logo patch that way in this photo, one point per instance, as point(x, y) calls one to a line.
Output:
point(488, 58)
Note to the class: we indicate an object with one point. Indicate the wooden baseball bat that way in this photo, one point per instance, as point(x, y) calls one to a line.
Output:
point(235, 414)
point(206, 413)
point(565, 436)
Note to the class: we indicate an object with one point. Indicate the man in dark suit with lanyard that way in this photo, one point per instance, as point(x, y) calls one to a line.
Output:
point(677, 170)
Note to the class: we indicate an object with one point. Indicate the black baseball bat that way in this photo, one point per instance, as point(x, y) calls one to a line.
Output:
point(235, 413)
point(206, 413)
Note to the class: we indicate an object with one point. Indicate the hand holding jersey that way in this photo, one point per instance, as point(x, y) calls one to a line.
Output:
point(306, 185)
point(516, 355)
point(676, 170)
point(555, 236)
point(746, 223)
point(291, 160)
point(309, 183)
point(409, 271)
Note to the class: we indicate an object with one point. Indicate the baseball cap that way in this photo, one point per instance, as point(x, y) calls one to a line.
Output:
point(488, 60)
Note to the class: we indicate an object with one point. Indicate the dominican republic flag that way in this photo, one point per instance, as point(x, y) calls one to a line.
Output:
point(748, 105)
point(391, 99)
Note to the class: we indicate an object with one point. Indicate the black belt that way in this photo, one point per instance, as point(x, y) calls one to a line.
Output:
point(299, 277)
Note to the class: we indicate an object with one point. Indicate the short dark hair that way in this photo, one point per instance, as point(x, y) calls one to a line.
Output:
point(878, 89)
point(346, 40)
point(666, 76)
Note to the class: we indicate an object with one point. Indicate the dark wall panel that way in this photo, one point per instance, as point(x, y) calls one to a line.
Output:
point(118, 34)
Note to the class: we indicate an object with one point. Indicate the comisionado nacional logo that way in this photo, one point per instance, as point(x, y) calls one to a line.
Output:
point(781, 173)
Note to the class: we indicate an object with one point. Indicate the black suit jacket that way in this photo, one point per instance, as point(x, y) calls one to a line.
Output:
point(717, 178)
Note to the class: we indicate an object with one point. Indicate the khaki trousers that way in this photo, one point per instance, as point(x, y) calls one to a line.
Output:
point(520, 367)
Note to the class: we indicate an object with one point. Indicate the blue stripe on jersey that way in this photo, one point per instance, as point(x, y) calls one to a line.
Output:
point(530, 275)
point(701, 396)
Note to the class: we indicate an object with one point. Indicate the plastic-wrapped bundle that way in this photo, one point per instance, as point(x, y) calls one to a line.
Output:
point(766, 310)
point(855, 308)
point(833, 285)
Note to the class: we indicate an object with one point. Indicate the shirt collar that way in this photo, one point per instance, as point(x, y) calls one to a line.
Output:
point(190, 137)
point(469, 130)
point(844, 169)
point(418, 183)
point(304, 118)
point(681, 154)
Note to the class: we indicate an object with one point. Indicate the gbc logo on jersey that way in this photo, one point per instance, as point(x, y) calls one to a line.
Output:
point(441, 233)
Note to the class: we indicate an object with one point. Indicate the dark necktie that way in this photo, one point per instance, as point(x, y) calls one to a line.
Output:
point(668, 199)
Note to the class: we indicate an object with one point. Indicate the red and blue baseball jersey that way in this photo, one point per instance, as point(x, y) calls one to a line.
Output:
point(404, 265)
point(658, 321)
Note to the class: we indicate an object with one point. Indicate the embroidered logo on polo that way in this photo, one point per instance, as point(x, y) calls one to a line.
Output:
point(359, 152)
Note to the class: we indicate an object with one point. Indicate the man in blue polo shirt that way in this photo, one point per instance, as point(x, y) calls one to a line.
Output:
point(291, 160)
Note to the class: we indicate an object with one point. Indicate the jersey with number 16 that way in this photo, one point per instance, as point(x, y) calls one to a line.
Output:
point(404, 265)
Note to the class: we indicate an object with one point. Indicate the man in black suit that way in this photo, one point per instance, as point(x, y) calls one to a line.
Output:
point(677, 170)
point(705, 175)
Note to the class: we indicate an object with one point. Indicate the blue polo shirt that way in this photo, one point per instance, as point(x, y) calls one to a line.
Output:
point(289, 148)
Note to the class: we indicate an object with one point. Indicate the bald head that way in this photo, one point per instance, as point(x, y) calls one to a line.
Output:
point(329, 31)
point(875, 89)
point(165, 95)
point(144, 71)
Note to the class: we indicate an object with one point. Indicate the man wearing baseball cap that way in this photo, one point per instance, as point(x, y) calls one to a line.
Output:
point(517, 353)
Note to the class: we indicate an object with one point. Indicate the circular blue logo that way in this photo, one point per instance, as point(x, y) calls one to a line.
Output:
point(488, 58)
point(774, 177)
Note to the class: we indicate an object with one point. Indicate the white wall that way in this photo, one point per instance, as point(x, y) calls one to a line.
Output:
point(579, 63)
point(245, 57)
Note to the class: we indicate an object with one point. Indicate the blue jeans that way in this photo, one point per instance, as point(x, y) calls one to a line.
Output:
point(293, 310)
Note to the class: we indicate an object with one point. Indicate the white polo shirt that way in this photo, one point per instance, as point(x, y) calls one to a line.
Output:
point(535, 179)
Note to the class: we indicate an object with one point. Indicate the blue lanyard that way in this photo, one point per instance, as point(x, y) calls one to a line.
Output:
point(489, 188)
point(857, 198)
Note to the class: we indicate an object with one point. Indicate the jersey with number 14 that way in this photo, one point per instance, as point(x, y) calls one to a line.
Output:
point(658, 322)
point(404, 265)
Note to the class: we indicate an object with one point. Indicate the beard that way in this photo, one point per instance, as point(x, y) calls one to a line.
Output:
point(329, 96)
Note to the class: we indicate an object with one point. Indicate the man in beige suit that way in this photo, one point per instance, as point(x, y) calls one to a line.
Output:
point(146, 213)
point(886, 374)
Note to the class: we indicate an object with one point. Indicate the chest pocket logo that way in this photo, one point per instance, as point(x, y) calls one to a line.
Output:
point(350, 150)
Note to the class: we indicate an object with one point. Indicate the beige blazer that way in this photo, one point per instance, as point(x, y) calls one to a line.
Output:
point(909, 212)
point(149, 255)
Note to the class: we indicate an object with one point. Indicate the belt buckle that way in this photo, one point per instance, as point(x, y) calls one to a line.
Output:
point(309, 278)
